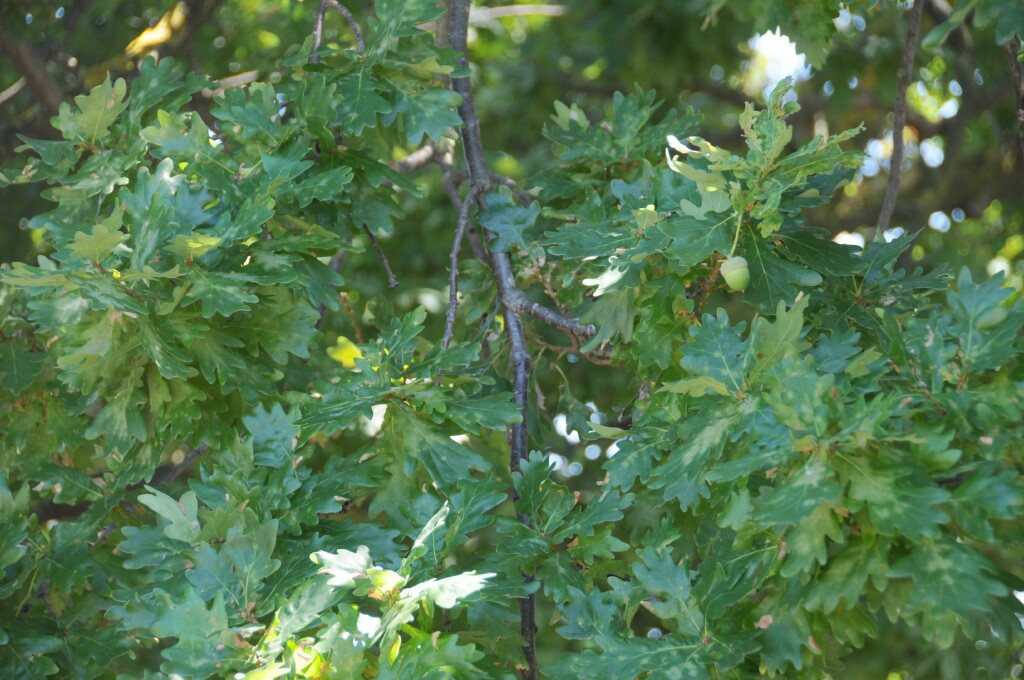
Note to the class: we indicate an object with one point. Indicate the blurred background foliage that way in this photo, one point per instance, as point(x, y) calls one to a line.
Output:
point(963, 174)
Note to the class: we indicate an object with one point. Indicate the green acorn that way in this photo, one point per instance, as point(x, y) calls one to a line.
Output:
point(735, 272)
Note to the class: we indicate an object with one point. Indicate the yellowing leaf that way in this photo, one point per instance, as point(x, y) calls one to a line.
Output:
point(191, 246)
point(162, 32)
point(345, 352)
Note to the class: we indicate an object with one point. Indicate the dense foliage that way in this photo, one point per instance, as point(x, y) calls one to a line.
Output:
point(227, 448)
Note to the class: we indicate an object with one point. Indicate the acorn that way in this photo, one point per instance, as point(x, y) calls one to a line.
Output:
point(736, 273)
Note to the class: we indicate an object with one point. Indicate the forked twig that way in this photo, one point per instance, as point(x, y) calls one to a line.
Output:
point(318, 26)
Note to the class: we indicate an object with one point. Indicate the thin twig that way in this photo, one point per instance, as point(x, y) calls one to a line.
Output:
point(451, 181)
point(479, 178)
point(356, 328)
point(318, 26)
point(166, 474)
point(337, 262)
point(1017, 71)
point(453, 263)
point(899, 115)
point(392, 281)
point(595, 358)
point(416, 160)
point(14, 89)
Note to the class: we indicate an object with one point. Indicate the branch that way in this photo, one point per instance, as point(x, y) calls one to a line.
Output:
point(392, 281)
point(479, 179)
point(899, 116)
point(1017, 70)
point(30, 65)
point(522, 304)
point(318, 26)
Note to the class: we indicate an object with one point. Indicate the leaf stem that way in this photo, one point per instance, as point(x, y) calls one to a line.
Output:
point(736, 238)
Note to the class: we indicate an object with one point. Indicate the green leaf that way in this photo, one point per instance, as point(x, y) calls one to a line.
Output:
point(773, 279)
point(221, 294)
point(203, 636)
point(812, 248)
point(897, 508)
point(771, 341)
point(847, 573)
point(446, 461)
point(444, 592)
point(493, 412)
point(603, 509)
point(806, 545)
point(938, 35)
point(400, 19)
point(717, 350)
point(52, 152)
point(19, 366)
point(635, 459)
point(273, 435)
point(429, 113)
point(360, 102)
point(669, 583)
point(950, 587)
point(984, 496)
point(587, 615)
point(784, 639)
point(559, 577)
point(797, 496)
point(426, 539)
point(669, 657)
point(181, 516)
point(249, 546)
point(89, 122)
point(699, 231)
point(68, 485)
point(101, 242)
point(321, 186)
point(304, 606)
point(682, 475)
point(507, 220)
point(182, 135)
point(590, 232)
point(160, 83)
point(987, 329)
